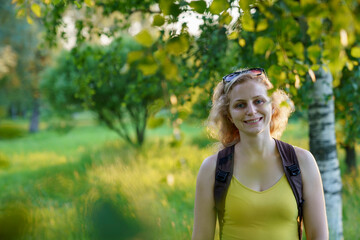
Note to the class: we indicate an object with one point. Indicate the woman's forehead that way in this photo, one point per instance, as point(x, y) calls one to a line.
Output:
point(248, 89)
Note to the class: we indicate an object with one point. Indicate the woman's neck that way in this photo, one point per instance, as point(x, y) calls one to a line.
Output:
point(257, 146)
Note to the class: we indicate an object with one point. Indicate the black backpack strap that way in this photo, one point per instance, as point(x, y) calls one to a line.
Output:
point(223, 175)
point(293, 175)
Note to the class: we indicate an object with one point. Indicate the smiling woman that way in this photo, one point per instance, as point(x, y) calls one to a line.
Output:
point(257, 186)
point(220, 125)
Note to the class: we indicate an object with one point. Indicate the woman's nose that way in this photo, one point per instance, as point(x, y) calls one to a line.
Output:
point(251, 109)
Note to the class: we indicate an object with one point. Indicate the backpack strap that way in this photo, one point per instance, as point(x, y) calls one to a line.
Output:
point(293, 175)
point(223, 175)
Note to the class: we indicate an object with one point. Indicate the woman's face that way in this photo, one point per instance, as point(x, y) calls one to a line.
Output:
point(250, 108)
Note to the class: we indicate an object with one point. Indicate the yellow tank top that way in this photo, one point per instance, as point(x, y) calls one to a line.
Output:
point(270, 214)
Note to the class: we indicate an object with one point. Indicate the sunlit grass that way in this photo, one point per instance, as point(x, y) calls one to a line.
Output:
point(69, 181)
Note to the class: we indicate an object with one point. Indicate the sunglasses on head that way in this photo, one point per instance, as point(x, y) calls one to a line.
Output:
point(256, 71)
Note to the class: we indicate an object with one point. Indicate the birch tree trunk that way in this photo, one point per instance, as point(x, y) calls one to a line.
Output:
point(323, 147)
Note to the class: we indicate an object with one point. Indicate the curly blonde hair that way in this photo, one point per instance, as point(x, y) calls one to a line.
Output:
point(219, 125)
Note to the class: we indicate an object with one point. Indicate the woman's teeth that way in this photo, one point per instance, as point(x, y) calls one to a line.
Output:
point(253, 121)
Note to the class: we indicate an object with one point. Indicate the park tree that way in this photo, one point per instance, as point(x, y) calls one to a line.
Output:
point(124, 96)
point(22, 60)
point(304, 45)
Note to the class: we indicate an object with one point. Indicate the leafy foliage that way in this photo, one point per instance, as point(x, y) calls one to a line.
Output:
point(100, 79)
point(289, 38)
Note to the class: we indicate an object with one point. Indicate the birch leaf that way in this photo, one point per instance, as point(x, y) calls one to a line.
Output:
point(134, 56)
point(355, 52)
point(89, 3)
point(158, 20)
point(144, 38)
point(29, 20)
point(217, 6)
point(198, 6)
point(262, 44)
point(36, 9)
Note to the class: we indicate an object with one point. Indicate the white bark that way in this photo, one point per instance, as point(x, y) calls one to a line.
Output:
point(323, 147)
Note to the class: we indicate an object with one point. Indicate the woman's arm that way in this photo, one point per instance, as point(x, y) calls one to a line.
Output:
point(314, 210)
point(204, 212)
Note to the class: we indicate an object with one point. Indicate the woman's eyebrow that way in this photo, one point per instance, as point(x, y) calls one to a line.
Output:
point(239, 99)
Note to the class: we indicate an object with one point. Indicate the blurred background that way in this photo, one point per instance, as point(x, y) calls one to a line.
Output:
point(103, 105)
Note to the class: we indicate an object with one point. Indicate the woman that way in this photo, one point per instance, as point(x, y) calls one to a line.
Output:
point(259, 202)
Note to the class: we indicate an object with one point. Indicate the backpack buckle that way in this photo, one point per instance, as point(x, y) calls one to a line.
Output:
point(293, 169)
point(221, 176)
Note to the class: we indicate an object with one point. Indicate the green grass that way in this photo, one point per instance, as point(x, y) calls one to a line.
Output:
point(85, 183)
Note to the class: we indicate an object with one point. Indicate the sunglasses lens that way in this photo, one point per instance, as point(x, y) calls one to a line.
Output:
point(231, 76)
point(256, 71)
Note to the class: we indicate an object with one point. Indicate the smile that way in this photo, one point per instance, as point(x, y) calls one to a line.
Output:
point(253, 120)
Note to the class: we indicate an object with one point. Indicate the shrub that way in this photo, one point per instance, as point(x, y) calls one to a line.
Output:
point(4, 161)
point(11, 130)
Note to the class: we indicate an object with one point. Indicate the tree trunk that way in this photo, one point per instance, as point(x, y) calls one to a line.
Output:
point(323, 147)
point(350, 158)
point(34, 122)
point(12, 111)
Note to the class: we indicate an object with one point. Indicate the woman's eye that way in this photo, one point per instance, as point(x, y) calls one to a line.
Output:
point(259, 101)
point(240, 105)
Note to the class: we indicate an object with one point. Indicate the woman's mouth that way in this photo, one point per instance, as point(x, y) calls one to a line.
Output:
point(253, 121)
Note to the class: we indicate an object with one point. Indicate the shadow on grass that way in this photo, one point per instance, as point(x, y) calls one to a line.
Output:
point(107, 216)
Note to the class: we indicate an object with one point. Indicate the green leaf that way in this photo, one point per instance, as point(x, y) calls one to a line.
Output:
point(225, 18)
point(217, 6)
point(158, 20)
point(242, 42)
point(198, 6)
point(177, 45)
point(276, 74)
point(314, 53)
point(148, 66)
point(280, 58)
point(233, 35)
point(20, 13)
point(165, 6)
point(355, 52)
point(263, 44)
point(315, 28)
point(168, 7)
point(77, 4)
point(155, 122)
point(244, 4)
point(29, 20)
point(134, 56)
point(262, 25)
point(160, 55)
point(144, 38)
point(36, 9)
point(89, 3)
point(298, 49)
point(170, 70)
point(247, 22)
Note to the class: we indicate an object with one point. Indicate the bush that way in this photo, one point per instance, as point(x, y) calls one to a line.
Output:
point(10, 131)
point(4, 161)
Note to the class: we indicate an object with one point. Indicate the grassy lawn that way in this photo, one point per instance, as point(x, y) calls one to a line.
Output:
point(87, 184)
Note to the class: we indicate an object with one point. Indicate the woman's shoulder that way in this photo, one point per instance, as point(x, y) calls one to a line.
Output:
point(306, 161)
point(209, 163)
point(303, 154)
point(207, 168)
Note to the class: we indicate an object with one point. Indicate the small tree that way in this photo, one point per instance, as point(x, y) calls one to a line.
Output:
point(102, 80)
